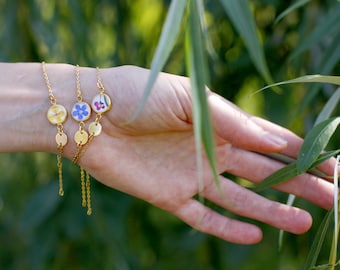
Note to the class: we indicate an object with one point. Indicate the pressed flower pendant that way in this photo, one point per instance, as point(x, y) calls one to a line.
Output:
point(57, 114)
point(101, 103)
point(81, 111)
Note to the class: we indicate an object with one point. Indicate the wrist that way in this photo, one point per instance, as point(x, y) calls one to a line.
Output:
point(24, 103)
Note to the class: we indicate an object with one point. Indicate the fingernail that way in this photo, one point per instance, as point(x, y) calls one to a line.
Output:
point(276, 140)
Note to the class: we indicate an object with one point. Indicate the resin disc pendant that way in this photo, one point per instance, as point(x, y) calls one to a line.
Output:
point(57, 114)
point(101, 103)
point(81, 111)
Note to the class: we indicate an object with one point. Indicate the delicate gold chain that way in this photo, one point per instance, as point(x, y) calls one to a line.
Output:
point(79, 95)
point(56, 115)
point(82, 182)
point(88, 194)
point(48, 84)
point(99, 81)
point(81, 112)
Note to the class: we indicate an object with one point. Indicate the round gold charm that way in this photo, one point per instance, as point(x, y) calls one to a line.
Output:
point(56, 114)
point(61, 139)
point(81, 111)
point(81, 137)
point(95, 128)
point(101, 103)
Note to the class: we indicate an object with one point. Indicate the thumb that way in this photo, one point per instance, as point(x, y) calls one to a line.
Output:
point(235, 126)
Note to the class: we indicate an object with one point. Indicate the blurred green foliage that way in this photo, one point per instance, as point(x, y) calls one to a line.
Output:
point(40, 230)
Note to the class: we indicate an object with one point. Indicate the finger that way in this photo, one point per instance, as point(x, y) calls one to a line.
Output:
point(244, 202)
point(208, 221)
point(294, 143)
point(234, 126)
point(258, 167)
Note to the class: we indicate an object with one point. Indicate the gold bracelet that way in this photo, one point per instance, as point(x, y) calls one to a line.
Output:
point(81, 112)
point(100, 104)
point(56, 115)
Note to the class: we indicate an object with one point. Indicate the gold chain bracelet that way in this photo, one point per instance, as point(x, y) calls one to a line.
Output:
point(81, 112)
point(56, 115)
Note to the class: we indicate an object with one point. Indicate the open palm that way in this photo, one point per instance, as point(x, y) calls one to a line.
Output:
point(154, 158)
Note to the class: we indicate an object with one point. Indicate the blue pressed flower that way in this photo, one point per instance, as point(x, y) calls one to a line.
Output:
point(80, 111)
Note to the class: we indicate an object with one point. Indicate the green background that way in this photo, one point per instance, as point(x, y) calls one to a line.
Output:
point(40, 230)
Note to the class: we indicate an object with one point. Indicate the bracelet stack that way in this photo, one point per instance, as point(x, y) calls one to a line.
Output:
point(81, 112)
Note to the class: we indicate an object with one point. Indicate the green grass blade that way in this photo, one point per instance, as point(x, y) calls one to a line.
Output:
point(243, 20)
point(324, 266)
point(278, 177)
point(315, 141)
point(166, 43)
point(329, 107)
point(208, 42)
point(197, 65)
point(334, 250)
point(290, 9)
point(290, 201)
point(318, 241)
point(307, 79)
point(324, 156)
point(291, 171)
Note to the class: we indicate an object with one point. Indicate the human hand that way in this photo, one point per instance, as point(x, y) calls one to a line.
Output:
point(154, 158)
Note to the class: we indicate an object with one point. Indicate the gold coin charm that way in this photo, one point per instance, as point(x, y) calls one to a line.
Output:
point(95, 128)
point(61, 139)
point(81, 137)
point(57, 114)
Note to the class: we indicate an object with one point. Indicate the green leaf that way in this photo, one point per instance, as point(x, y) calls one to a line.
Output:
point(206, 37)
point(290, 202)
point(166, 43)
point(290, 9)
point(315, 141)
point(307, 79)
point(278, 177)
point(324, 156)
point(197, 66)
point(329, 107)
point(290, 171)
point(334, 250)
point(318, 241)
point(243, 19)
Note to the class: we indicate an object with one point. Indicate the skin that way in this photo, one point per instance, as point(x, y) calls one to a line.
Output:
point(153, 158)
